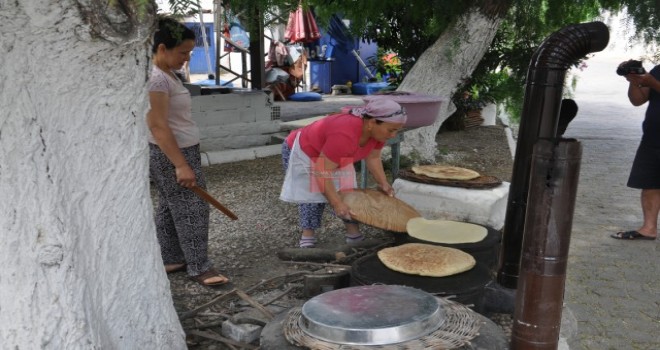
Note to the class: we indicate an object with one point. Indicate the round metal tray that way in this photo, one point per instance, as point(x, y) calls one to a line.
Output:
point(371, 315)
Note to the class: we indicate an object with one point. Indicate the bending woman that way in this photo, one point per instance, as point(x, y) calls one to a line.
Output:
point(318, 161)
point(182, 218)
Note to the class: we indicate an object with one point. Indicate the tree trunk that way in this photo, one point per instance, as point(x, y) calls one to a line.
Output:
point(443, 66)
point(80, 266)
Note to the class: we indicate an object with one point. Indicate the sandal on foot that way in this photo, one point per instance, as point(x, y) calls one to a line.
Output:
point(354, 239)
point(631, 235)
point(210, 273)
point(172, 268)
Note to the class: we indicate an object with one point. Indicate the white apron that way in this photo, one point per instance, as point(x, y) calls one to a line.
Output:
point(300, 186)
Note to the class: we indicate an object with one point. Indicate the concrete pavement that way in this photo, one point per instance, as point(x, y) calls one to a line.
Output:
point(613, 286)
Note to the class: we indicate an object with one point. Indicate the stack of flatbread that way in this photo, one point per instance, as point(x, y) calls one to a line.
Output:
point(426, 260)
point(377, 209)
point(445, 172)
point(445, 231)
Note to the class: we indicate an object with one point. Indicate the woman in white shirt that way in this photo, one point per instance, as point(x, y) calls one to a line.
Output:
point(182, 218)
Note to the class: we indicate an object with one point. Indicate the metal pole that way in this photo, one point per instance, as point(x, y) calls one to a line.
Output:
point(553, 186)
point(539, 119)
point(204, 40)
point(217, 13)
point(257, 64)
point(542, 102)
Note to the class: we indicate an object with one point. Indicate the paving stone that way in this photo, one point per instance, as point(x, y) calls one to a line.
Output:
point(246, 333)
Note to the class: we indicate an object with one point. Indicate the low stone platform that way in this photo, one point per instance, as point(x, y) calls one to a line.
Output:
point(478, 206)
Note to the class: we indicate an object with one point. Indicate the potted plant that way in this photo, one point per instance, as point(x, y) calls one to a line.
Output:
point(469, 102)
point(387, 66)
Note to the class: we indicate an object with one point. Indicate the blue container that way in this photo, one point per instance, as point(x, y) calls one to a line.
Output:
point(211, 82)
point(367, 88)
point(197, 62)
point(320, 75)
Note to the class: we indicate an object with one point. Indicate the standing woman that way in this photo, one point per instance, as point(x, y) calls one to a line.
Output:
point(318, 161)
point(182, 218)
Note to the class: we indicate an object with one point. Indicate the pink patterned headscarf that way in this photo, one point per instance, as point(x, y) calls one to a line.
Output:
point(382, 109)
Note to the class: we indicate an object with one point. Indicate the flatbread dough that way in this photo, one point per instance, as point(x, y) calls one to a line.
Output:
point(445, 231)
point(446, 172)
point(426, 260)
point(377, 209)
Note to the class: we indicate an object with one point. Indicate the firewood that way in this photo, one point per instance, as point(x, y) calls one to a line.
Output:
point(226, 341)
point(310, 254)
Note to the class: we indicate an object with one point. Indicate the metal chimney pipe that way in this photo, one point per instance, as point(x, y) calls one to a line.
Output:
point(543, 93)
point(554, 180)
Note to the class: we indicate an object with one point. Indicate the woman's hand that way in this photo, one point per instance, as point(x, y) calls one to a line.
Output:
point(342, 210)
point(645, 80)
point(386, 188)
point(185, 176)
point(638, 79)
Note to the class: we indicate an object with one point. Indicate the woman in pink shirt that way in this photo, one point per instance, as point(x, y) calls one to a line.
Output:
point(318, 161)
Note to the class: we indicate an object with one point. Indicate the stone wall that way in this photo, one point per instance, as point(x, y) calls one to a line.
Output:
point(240, 119)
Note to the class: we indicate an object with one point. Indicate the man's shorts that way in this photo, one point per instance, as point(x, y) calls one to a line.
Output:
point(645, 172)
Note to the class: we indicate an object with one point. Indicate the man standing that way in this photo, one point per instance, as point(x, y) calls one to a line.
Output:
point(645, 172)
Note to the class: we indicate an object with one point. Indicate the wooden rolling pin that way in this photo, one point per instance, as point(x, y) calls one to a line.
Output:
point(207, 197)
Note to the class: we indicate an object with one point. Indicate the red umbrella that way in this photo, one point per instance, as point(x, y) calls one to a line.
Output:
point(301, 27)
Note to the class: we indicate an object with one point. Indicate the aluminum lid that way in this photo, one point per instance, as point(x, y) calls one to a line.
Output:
point(371, 315)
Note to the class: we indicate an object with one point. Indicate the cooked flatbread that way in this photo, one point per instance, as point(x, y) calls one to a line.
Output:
point(426, 260)
point(446, 172)
point(377, 209)
point(445, 231)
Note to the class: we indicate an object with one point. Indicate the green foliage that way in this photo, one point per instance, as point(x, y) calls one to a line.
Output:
point(141, 6)
point(182, 8)
point(527, 24)
point(644, 17)
point(470, 99)
point(409, 27)
point(386, 63)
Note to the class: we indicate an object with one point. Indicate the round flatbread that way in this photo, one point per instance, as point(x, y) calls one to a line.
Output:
point(377, 209)
point(426, 260)
point(445, 231)
point(445, 172)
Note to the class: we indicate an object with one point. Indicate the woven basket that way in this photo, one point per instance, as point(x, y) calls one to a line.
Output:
point(459, 327)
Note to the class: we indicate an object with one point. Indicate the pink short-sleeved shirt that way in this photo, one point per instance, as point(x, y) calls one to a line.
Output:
point(337, 136)
point(179, 117)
